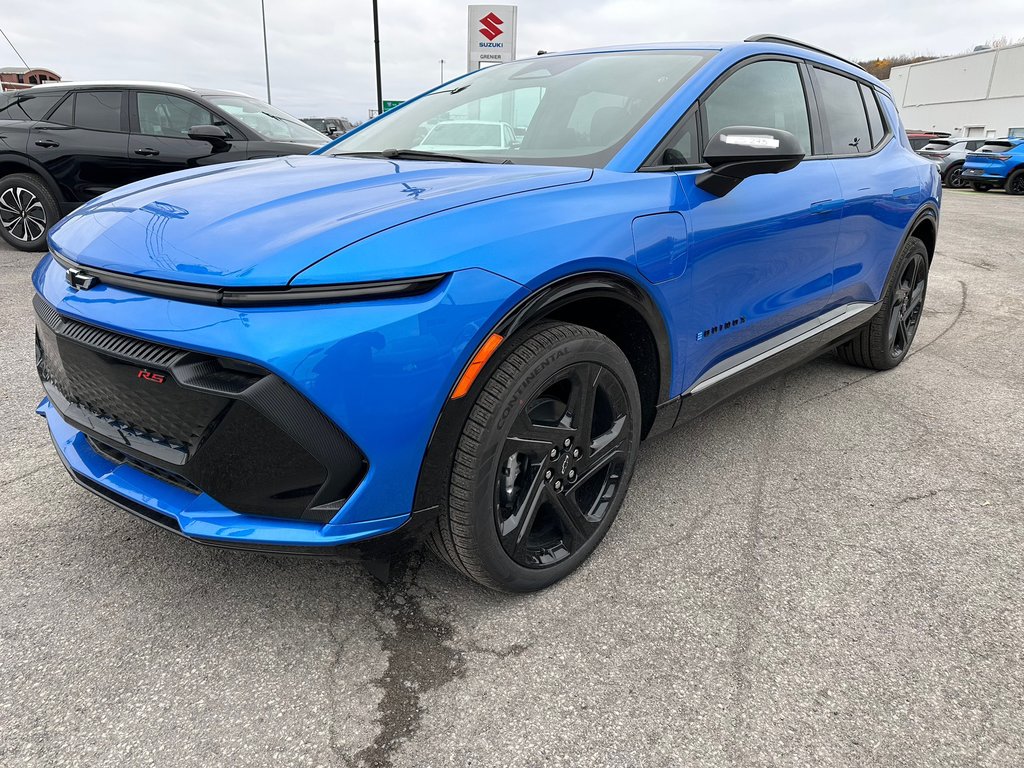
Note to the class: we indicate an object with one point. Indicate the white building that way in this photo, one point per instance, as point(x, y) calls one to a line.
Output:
point(977, 94)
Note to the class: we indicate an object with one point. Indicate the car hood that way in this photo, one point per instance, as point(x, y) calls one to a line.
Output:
point(259, 223)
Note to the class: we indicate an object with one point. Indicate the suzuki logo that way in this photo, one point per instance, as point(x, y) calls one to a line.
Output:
point(491, 26)
point(79, 280)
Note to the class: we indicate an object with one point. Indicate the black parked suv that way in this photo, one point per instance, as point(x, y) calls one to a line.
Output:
point(65, 143)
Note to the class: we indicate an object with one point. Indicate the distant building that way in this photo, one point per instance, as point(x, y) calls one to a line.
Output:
point(16, 78)
point(977, 94)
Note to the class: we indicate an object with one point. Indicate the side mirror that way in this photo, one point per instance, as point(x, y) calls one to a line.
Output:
point(211, 133)
point(738, 152)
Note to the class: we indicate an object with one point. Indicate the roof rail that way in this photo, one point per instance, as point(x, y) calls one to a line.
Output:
point(799, 44)
point(112, 84)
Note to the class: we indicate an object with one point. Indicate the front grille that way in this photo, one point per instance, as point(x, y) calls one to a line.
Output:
point(223, 427)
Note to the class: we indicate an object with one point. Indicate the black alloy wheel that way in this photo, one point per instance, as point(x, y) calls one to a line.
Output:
point(954, 177)
point(907, 305)
point(543, 461)
point(1015, 184)
point(562, 465)
point(883, 342)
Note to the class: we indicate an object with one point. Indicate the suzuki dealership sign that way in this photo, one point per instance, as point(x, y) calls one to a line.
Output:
point(492, 35)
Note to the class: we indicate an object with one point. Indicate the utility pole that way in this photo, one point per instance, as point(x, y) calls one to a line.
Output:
point(266, 52)
point(442, 71)
point(376, 56)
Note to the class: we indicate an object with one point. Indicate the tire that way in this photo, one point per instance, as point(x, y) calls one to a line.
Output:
point(27, 211)
point(534, 486)
point(952, 177)
point(884, 341)
point(1015, 184)
point(980, 187)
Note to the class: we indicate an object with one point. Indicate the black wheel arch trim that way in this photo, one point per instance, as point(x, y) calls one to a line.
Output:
point(927, 211)
point(435, 468)
point(32, 166)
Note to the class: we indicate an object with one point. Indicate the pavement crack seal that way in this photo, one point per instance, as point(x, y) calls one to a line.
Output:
point(749, 600)
point(959, 316)
point(419, 660)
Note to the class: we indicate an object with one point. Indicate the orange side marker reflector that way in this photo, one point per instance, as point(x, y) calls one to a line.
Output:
point(476, 365)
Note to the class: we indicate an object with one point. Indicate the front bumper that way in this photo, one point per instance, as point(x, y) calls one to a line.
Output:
point(377, 371)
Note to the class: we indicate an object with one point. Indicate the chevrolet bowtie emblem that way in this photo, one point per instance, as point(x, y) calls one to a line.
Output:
point(79, 280)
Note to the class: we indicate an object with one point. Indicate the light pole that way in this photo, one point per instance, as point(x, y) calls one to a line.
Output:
point(442, 71)
point(376, 56)
point(266, 53)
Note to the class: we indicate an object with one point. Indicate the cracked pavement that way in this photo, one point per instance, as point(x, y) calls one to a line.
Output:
point(824, 571)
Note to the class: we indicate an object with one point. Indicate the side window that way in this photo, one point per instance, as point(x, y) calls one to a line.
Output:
point(161, 114)
point(768, 94)
point(683, 148)
point(875, 121)
point(98, 110)
point(65, 113)
point(29, 107)
point(844, 113)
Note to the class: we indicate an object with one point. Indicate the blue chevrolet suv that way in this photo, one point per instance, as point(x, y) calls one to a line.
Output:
point(998, 163)
point(382, 344)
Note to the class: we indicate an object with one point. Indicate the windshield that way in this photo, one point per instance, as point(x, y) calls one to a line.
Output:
point(462, 135)
point(269, 122)
point(558, 110)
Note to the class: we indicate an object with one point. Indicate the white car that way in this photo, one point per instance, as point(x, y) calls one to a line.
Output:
point(479, 135)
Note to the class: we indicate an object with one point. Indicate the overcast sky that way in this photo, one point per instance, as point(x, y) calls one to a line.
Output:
point(321, 53)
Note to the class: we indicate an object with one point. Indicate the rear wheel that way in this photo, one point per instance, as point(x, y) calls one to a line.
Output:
point(954, 177)
point(544, 459)
point(1015, 184)
point(885, 340)
point(980, 187)
point(27, 211)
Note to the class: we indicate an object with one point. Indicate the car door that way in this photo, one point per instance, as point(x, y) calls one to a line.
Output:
point(83, 143)
point(882, 184)
point(159, 141)
point(761, 256)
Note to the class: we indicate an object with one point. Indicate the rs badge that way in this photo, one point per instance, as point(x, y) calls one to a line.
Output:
point(156, 378)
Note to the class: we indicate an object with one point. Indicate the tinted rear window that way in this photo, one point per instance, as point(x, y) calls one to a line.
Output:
point(98, 110)
point(28, 106)
point(939, 145)
point(844, 112)
point(875, 121)
point(996, 146)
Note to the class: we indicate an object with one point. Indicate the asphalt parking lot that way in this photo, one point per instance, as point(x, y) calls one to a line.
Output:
point(826, 571)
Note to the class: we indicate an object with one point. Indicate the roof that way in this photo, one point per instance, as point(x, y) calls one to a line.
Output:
point(755, 44)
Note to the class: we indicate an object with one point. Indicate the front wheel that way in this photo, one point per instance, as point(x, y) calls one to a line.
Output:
point(954, 177)
point(27, 211)
point(543, 462)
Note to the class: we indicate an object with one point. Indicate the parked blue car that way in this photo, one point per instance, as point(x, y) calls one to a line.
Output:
point(377, 344)
point(999, 163)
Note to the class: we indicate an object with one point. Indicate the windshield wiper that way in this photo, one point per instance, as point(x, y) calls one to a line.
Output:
point(411, 154)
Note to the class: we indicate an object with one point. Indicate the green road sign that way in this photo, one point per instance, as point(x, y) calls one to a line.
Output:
point(390, 105)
